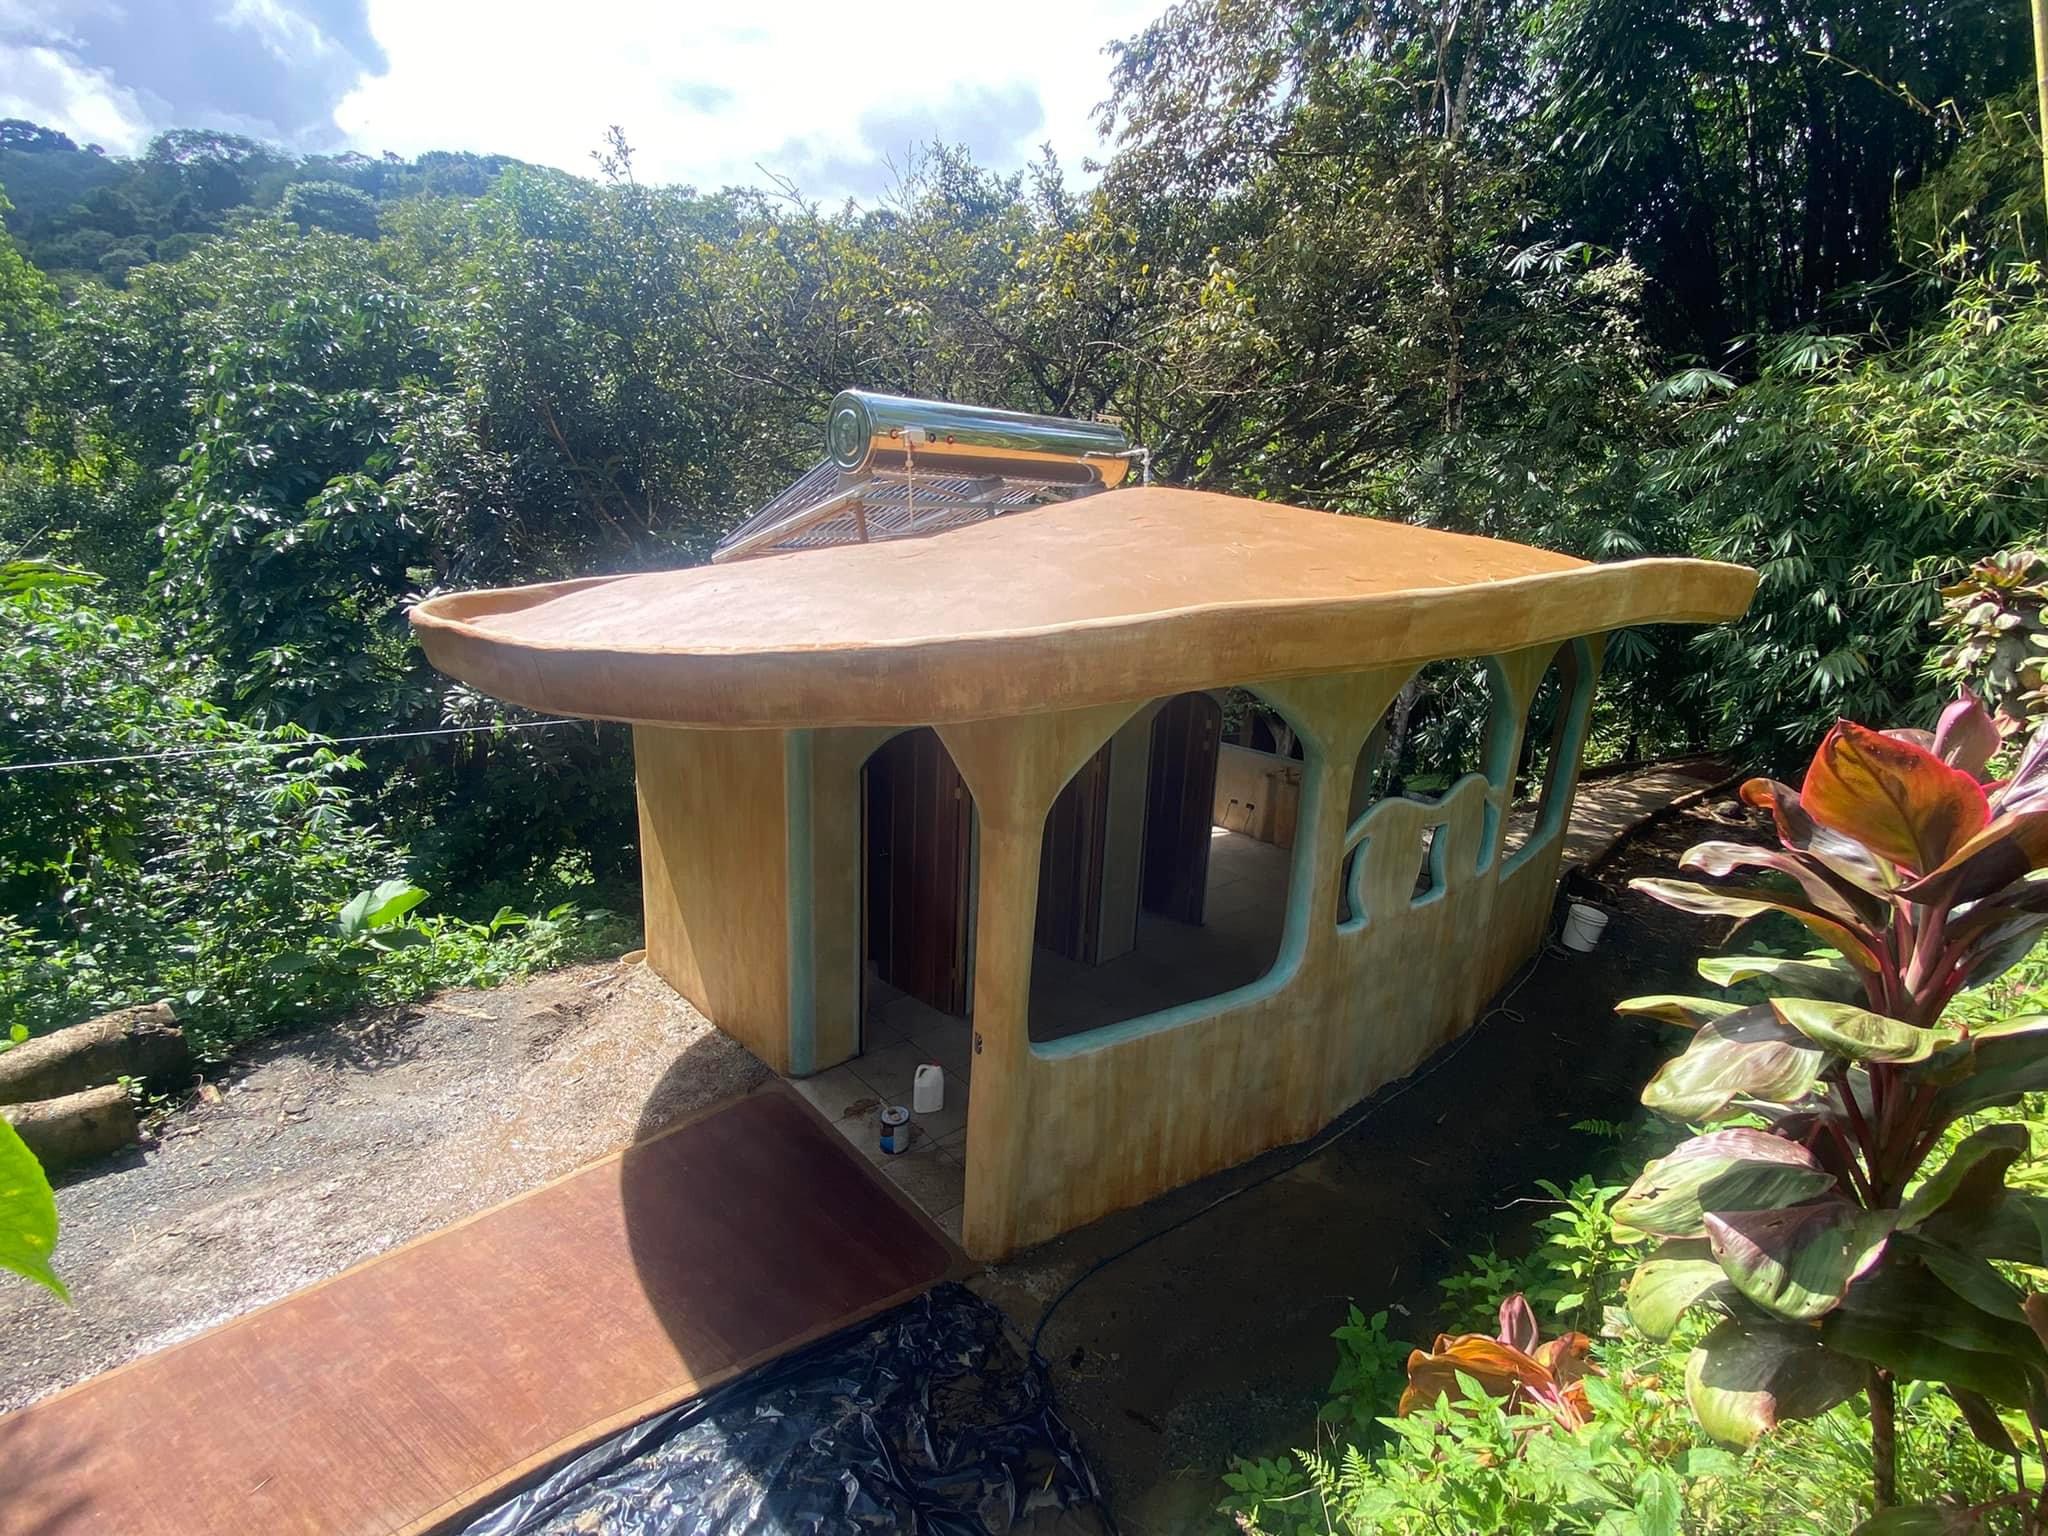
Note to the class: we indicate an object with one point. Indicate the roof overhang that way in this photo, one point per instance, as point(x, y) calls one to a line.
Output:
point(1128, 595)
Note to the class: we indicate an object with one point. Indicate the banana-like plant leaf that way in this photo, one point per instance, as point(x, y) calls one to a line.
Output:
point(1972, 1181)
point(2027, 789)
point(2003, 947)
point(2013, 1231)
point(1686, 1012)
point(1859, 1034)
point(1837, 898)
point(1973, 919)
point(1971, 1278)
point(1999, 1069)
point(28, 1214)
point(1689, 896)
point(1749, 1377)
point(1796, 1263)
point(1966, 736)
point(1748, 1054)
point(1733, 1170)
point(1802, 834)
point(1983, 1420)
point(380, 907)
point(2006, 849)
point(1670, 1283)
point(1901, 1316)
point(1895, 798)
point(2014, 1024)
point(1828, 978)
point(1550, 1374)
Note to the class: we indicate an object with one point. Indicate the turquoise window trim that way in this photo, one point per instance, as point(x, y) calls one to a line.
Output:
point(1359, 837)
point(802, 911)
point(1294, 933)
point(1351, 866)
point(1503, 738)
point(1496, 769)
point(1563, 777)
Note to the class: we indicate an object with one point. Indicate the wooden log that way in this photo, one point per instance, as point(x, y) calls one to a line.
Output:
point(77, 1128)
point(131, 1042)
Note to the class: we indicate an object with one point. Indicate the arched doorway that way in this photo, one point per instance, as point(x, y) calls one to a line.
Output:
point(917, 872)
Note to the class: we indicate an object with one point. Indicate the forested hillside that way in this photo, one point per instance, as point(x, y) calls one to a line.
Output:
point(1756, 281)
point(79, 213)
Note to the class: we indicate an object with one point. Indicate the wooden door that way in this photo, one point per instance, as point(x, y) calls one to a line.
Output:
point(1180, 806)
point(919, 852)
point(1070, 865)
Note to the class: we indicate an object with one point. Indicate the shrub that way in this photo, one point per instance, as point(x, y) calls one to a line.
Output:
point(174, 852)
point(1811, 1219)
point(422, 954)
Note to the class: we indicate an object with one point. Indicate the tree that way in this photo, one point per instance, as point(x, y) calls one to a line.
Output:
point(32, 138)
point(1747, 155)
point(332, 206)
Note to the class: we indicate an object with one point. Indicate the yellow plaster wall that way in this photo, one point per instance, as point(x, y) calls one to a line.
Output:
point(1061, 1134)
point(836, 760)
point(714, 867)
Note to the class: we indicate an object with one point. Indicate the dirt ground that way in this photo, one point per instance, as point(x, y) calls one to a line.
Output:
point(1211, 1339)
point(331, 1146)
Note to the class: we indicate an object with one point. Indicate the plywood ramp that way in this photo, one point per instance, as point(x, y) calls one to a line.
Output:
point(401, 1394)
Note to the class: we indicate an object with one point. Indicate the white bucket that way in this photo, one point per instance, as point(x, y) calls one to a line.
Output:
point(1583, 925)
point(928, 1089)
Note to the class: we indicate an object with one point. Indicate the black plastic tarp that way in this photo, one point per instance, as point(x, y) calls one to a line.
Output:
point(926, 1420)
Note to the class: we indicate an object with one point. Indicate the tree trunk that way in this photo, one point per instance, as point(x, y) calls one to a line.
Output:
point(1884, 1446)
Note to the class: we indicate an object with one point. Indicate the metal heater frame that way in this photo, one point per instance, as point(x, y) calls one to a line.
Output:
point(897, 467)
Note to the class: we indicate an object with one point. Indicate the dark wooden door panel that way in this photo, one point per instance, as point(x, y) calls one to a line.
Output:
point(1070, 865)
point(919, 851)
point(1180, 805)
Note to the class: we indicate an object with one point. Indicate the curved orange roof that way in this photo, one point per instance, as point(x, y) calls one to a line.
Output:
point(1126, 595)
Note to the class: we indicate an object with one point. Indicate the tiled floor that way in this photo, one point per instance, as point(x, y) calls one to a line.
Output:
point(901, 1034)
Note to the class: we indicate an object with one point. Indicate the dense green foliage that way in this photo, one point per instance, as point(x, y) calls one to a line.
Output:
point(1586, 273)
point(1644, 1466)
point(1834, 1260)
point(193, 855)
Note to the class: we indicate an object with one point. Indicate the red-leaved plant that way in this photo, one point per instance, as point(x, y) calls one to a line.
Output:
point(1802, 1212)
point(1517, 1365)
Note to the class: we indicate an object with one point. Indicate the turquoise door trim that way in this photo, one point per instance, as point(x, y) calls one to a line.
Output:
point(803, 981)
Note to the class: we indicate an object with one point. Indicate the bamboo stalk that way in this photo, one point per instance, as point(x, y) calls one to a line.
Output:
point(2041, 82)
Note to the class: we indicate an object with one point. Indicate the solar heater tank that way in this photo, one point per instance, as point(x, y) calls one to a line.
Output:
point(867, 432)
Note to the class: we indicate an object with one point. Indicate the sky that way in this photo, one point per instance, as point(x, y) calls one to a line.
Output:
point(825, 95)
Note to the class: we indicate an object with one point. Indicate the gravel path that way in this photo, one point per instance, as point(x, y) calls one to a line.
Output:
point(326, 1148)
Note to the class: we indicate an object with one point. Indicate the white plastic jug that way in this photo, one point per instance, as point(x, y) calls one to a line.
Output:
point(928, 1089)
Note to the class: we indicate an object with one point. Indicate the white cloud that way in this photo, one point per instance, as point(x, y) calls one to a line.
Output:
point(815, 91)
point(291, 38)
point(50, 87)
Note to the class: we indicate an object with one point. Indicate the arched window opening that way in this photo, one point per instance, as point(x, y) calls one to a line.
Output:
point(1437, 731)
point(1550, 746)
point(1166, 865)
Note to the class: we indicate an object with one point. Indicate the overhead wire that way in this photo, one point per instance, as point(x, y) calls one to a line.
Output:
point(305, 744)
